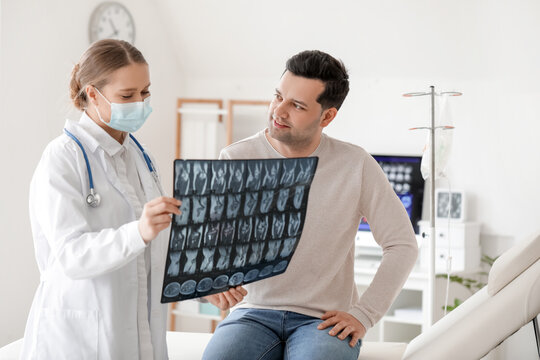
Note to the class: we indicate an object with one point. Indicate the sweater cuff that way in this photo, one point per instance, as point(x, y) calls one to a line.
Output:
point(360, 316)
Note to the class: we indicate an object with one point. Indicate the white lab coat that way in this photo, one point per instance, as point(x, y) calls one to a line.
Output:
point(87, 302)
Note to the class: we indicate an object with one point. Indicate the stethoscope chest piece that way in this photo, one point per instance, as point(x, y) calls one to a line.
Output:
point(93, 199)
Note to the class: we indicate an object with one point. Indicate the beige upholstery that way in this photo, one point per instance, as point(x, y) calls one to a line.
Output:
point(484, 321)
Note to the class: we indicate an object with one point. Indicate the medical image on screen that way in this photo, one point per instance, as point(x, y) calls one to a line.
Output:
point(241, 222)
point(403, 173)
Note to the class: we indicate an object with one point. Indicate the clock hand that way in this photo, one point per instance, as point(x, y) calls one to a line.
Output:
point(115, 31)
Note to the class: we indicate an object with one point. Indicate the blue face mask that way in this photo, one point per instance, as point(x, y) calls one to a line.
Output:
point(128, 117)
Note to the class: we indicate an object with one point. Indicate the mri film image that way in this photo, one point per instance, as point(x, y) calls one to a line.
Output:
point(183, 181)
point(183, 218)
point(261, 228)
point(294, 223)
point(207, 263)
point(200, 177)
point(240, 256)
point(174, 266)
point(283, 196)
point(272, 251)
point(271, 174)
point(266, 201)
point(306, 172)
point(219, 177)
point(194, 236)
point(288, 246)
point(190, 261)
point(236, 176)
point(178, 239)
point(233, 205)
point(244, 230)
point(256, 253)
point(217, 204)
point(287, 177)
point(278, 225)
point(298, 197)
point(253, 182)
point(227, 232)
point(250, 204)
point(199, 209)
point(211, 234)
point(240, 222)
point(224, 256)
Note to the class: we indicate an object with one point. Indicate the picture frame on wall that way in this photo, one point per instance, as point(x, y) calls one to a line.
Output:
point(452, 201)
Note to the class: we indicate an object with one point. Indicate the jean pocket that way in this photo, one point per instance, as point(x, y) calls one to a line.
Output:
point(67, 334)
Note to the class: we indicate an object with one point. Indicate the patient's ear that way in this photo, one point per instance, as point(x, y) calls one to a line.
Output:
point(327, 116)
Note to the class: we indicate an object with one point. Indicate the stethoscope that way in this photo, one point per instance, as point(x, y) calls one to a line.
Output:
point(93, 199)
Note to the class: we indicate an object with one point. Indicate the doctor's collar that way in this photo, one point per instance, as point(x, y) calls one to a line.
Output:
point(99, 137)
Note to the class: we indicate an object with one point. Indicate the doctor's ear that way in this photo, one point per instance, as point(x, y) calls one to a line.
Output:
point(91, 94)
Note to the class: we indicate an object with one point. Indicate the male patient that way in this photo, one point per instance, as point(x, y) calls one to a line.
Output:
point(313, 310)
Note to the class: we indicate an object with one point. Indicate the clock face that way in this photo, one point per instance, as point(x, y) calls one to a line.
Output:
point(111, 20)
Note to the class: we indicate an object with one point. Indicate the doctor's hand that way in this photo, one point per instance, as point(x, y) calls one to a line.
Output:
point(156, 216)
point(344, 324)
point(227, 299)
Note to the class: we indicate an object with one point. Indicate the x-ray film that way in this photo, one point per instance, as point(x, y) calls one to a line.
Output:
point(241, 222)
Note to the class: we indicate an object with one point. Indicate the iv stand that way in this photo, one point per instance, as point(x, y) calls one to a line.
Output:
point(431, 235)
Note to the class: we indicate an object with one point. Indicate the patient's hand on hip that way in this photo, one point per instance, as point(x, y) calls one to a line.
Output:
point(227, 299)
point(344, 324)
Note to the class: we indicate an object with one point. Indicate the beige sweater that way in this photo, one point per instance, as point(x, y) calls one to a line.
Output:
point(348, 184)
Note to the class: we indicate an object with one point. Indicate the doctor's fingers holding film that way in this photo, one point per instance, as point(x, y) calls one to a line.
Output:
point(156, 216)
point(227, 299)
point(344, 324)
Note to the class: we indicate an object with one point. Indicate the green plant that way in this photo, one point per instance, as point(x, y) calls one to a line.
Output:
point(471, 284)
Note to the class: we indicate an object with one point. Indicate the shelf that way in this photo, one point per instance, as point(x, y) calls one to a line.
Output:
point(415, 281)
point(365, 239)
point(395, 319)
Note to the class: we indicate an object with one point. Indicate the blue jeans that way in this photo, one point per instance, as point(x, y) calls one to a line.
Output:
point(260, 334)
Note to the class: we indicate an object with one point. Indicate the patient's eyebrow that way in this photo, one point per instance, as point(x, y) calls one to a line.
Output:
point(300, 103)
point(294, 100)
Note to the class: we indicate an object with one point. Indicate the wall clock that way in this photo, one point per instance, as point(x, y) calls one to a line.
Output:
point(111, 20)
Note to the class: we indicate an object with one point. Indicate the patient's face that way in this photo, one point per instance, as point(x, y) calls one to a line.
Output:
point(295, 116)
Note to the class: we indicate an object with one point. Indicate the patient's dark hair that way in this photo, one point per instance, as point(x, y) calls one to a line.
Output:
point(315, 64)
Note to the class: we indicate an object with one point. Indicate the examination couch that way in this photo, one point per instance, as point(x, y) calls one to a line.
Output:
point(509, 301)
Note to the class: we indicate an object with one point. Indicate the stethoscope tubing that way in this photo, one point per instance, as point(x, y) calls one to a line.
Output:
point(90, 178)
point(93, 199)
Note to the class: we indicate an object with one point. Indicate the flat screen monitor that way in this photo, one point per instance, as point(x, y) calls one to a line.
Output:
point(403, 173)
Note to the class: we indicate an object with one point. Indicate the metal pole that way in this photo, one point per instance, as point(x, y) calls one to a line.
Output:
point(431, 257)
point(536, 334)
point(430, 298)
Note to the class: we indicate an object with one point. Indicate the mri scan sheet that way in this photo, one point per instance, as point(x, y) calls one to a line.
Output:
point(241, 222)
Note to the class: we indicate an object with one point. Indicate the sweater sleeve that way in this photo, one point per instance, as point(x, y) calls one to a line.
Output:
point(392, 230)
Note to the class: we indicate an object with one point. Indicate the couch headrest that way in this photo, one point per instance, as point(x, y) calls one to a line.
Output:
point(513, 262)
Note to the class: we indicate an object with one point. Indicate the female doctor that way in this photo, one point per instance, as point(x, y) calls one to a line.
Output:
point(98, 213)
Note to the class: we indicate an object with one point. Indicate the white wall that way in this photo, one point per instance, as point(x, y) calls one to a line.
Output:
point(40, 42)
point(486, 49)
